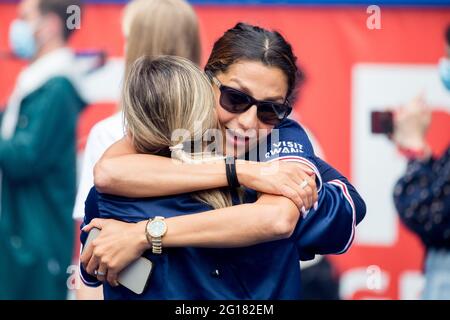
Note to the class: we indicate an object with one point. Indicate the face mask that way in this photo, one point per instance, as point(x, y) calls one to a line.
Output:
point(21, 39)
point(444, 72)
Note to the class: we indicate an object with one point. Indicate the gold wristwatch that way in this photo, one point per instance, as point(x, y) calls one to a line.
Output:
point(156, 228)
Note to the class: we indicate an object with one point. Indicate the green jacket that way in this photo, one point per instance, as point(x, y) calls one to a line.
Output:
point(38, 188)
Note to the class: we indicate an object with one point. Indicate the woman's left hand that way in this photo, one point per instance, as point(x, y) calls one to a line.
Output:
point(118, 245)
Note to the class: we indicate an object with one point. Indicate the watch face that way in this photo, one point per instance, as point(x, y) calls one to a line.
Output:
point(157, 228)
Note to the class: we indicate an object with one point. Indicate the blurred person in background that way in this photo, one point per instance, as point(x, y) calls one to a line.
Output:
point(150, 28)
point(422, 195)
point(38, 155)
point(320, 280)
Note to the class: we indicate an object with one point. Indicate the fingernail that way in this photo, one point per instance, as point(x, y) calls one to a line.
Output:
point(303, 211)
point(316, 205)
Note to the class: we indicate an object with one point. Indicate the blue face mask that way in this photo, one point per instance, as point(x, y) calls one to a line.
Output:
point(444, 72)
point(21, 39)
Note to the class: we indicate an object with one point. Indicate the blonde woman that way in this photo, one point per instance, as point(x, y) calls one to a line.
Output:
point(150, 27)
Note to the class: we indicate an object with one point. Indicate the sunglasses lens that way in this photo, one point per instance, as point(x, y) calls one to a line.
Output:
point(233, 100)
point(273, 113)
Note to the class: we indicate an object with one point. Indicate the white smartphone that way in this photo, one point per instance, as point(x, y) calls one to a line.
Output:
point(134, 277)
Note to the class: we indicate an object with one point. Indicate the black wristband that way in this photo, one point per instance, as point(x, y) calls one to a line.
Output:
point(232, 178)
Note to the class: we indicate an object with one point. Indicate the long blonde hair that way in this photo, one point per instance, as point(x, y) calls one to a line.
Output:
point(160, 27)
point(162, 95)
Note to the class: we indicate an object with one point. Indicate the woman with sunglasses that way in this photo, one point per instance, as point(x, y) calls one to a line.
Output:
point(255, 76)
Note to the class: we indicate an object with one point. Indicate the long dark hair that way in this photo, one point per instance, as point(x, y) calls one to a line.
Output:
point(248, 42)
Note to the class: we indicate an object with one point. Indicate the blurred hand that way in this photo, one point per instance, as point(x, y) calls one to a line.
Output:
point(280, 178)
point(118, 245)
point(411, 123)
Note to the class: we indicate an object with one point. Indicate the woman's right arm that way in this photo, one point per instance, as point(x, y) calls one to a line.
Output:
point(119, 243)
point(122, 171)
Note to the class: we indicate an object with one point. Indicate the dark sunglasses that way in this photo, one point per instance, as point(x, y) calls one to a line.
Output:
point(236, 101)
